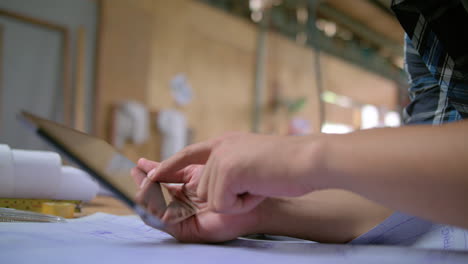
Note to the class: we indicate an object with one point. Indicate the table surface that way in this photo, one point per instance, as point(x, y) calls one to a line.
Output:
point(104, 204)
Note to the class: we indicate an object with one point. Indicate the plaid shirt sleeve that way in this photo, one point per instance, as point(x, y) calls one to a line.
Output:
point(436, 59)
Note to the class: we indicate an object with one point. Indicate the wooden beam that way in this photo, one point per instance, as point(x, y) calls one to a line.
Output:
point(362, 30)
point(370, 15)
point(32, 20)
point(80, 110)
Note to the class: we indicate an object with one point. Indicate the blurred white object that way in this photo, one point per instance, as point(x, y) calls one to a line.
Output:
point(173, 127)
point(330, 128)
point(40, 175)
point(37, 174)
point(7, 171)
point(181, 89)
point(392, 119)
point(369, 117)
point(76, 185)
point(131, 122)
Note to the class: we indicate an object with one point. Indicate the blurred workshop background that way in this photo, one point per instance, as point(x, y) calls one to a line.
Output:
point(151, 76)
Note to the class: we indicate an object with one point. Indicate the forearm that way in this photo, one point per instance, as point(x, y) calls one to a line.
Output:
point(333, 216)
point(421, 170)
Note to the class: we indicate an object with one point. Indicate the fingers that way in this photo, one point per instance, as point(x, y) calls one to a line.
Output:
point(203, 185)
point(147, 165)
point(225, 190)
point(151, 198)
point(193, 154)
point(147, 169)
point(139, 173)
point(180, 208)
point(228, 193)
point(181, 176)
point(138, 176)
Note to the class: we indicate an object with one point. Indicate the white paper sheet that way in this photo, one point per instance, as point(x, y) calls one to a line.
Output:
point(103, 238)
point(398, 229)
point(404, 230)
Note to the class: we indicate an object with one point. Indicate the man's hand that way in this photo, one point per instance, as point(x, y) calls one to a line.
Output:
point(336, 216)
point(205, 225)
point(241, 170)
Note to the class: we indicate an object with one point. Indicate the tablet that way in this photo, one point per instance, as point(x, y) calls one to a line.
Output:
point(102, 161)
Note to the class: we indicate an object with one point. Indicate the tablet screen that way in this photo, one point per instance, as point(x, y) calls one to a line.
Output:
point(94, 155)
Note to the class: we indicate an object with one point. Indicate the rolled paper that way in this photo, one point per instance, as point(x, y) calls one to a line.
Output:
point(76, 184)
point(7, 180)
point(37, 174)
point(29, 174)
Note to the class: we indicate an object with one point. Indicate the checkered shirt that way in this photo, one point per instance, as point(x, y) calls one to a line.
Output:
point(436, 59)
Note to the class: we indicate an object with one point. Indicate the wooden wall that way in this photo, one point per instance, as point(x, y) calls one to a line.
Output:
point(217, 54)
point(124, 57)
point(144, 43)
point(290, 69)
point(362, 86)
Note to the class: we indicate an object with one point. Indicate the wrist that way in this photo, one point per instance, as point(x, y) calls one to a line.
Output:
point(267, 217)
point(315, 158)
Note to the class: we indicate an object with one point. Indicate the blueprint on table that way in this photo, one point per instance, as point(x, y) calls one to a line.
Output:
point(406, 230)
point(103, 238)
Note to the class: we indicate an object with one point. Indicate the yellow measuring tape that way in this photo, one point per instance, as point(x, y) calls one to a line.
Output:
point(64, 208)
